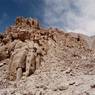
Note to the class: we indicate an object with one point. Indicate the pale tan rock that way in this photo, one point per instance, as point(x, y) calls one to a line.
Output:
point(4, 53)
point(30, 63)
point(61, 63)
point(17, 60)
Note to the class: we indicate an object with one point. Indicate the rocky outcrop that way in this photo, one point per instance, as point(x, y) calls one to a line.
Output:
point(27, 22)
point(55, 61)
point(25, 43)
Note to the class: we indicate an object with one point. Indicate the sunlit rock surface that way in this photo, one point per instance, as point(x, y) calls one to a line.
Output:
point(59, 63)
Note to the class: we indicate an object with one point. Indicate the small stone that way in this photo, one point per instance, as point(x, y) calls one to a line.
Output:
point(29, 93)
point(68, 70)
point(72, 83)
point(61, 88)
point(2, 64)
point(92, 86)
point(12, 92)
point(39, 93)
point(42, 86)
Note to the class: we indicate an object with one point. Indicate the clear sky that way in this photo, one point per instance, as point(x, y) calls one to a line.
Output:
point(70, 15)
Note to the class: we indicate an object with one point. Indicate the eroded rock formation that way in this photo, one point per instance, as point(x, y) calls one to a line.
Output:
point(57, 62)
point(25, 43)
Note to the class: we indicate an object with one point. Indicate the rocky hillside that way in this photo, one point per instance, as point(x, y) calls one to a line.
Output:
point(39, 61)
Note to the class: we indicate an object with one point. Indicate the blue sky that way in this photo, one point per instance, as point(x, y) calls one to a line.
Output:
point(70, 15)
point(10, 9)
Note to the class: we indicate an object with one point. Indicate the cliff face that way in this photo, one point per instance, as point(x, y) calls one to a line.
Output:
point(52, 61)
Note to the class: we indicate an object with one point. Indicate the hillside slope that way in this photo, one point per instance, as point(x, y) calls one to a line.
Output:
point(67, 61)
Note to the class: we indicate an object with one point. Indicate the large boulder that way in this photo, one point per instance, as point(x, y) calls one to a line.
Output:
point(17, 59)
